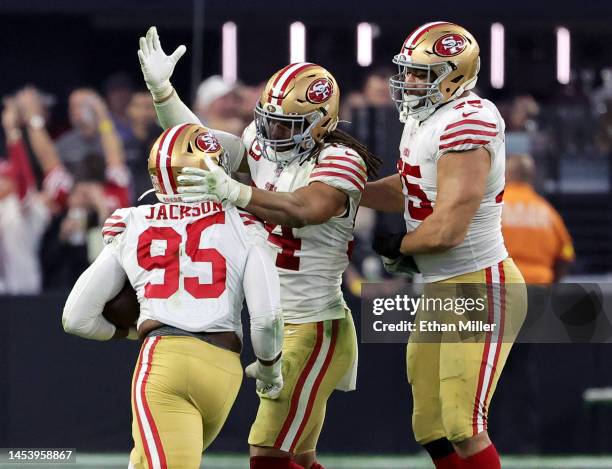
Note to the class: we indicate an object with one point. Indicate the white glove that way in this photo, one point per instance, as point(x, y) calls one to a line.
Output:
point(202, 183)
point(404, 266)
point(157, 67)
point(268, 379)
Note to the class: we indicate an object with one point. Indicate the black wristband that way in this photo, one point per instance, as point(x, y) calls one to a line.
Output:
point(270, 362)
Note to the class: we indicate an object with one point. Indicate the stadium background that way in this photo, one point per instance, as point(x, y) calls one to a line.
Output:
point(61, 391)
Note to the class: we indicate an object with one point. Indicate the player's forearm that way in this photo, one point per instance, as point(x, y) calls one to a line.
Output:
point(279, 208)
point(172, 111)
point(437, 233)
point(262, 293)
point(82, 314)
point(384, 195)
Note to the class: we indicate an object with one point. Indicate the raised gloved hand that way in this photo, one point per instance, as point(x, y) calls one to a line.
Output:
point(197, 185)
point(268, 379)
point(157, 67)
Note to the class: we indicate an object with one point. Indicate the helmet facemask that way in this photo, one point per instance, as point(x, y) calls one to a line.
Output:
point(417, 100)
point(283, 138)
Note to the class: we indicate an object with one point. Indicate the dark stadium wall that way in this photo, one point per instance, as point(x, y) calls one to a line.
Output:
point(62, 391)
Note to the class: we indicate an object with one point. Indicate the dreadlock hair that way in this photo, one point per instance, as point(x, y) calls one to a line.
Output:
point(341, 137)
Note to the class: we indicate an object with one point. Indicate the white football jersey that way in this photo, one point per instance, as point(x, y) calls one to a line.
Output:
point(463, 124)
point(185, 261)
point(312, 259)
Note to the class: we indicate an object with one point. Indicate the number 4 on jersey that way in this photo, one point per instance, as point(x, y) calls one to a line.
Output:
point(286, 259)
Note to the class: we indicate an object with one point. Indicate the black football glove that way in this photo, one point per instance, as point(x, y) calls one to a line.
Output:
point(388, 244)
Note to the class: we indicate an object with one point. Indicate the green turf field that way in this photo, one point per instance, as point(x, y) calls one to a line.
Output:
point(228, 461)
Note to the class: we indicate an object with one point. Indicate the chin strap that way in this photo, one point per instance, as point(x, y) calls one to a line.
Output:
point(144, 194)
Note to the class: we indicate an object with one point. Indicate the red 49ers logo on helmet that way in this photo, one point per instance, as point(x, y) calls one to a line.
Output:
point(320, 91)
point(450, 45)
point(207, 143)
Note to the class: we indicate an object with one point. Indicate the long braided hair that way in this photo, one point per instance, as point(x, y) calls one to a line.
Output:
point(341, 137)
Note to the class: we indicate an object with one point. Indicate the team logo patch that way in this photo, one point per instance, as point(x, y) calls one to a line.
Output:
point(320, 91)
point(255, 150)
point(207, 143)
point(450, 45)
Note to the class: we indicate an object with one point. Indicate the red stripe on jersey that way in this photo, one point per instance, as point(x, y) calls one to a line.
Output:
point(346, 177)
point(487, 133)
point(490, 125)
point(344, 158)
point(343, 168)
point(114, 225)
point(299, 385)
point(463, 142)
point(111, 233)
point(316, 385)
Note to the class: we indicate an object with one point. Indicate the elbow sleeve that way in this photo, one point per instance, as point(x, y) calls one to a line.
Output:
point(262, 292)
point(101, 282)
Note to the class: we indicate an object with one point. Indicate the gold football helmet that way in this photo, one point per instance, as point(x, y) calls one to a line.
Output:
point(297, 108)
point(177, 147)
point(446, 57)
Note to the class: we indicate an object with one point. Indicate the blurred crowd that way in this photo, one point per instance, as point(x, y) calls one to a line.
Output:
point(59, 181)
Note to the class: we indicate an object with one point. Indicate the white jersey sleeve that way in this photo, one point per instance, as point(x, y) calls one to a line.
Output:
point(174, 112)
point(342, 168)
point(115, 224)
point(262, 293)
point(101, 282)
point(468, 128)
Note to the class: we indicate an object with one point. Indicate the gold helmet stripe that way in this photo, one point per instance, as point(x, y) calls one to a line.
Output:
point(277, 92)
point(164, 160)
point(417, 34)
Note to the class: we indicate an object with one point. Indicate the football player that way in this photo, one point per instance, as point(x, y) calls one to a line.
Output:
point(191, 265)
point(307, 182)
point(450, 186)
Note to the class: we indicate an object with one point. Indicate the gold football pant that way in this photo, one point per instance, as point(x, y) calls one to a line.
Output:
point(316, 356)
point(182, 391)
point(453, 379)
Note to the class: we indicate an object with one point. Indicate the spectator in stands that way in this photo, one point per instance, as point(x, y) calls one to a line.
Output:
point(143, 130)
point(24, 213)
point(534, 233)
point(93, 131)
point(118, 89)
point(217, 105)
